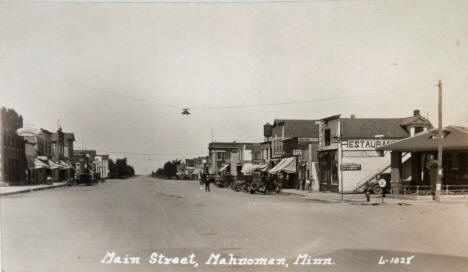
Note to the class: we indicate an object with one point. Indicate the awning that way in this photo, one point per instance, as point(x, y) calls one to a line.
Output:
point(54, 165)
point(65, 165)
point(249, 168)
point(38, 164)
point(287, 165)
point(224, 168)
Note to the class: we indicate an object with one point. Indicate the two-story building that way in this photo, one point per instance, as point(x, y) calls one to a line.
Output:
point(292, 145)
point(347, 147)
point(229, 155)
point(37, 161)
point(12, 149)
point(102, 165)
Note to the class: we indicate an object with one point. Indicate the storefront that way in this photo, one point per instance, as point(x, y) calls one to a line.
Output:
point(348, 156)
point(328, 170)
point(286, 172)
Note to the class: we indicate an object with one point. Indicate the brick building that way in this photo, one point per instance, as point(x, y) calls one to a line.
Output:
point(12, 152)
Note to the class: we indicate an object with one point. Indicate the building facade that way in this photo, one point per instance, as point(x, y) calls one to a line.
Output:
point(288, 138)
point(347, 147)
point(229, 153)
point(423, 148)
point(102, 165)
point(12, 149)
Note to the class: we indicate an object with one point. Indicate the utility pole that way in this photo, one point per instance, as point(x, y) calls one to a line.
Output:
point(439, 148)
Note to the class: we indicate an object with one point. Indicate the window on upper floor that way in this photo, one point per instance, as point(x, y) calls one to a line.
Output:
point(418, 129)
point(327, 136)
point(219, 156)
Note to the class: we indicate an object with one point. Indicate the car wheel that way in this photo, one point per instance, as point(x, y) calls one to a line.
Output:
point(377, 189)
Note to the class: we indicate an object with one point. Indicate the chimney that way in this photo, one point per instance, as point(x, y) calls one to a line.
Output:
point(353, 116)
point(267, 130)
point(416, 113)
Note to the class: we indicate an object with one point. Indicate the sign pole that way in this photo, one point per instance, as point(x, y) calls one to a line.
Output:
point(439, 148)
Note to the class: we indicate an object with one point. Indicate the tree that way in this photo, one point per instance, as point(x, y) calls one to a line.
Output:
point(121, 169)
point(169, 169)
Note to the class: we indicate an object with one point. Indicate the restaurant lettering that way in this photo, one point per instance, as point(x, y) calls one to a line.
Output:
point(363, 144)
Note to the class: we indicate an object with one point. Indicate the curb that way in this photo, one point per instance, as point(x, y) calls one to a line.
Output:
point(32, 190)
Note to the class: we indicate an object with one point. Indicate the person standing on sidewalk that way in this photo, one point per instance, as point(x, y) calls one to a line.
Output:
point(308, 185)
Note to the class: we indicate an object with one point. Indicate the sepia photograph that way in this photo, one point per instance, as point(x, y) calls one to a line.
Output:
point(218, 135)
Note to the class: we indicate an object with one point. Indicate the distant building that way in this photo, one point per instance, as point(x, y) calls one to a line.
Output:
point(347, 147)
point(12, 152)
point(85, 160)
point(68, 138)
point(229, 154)
point(102, 165)
point(37, 163)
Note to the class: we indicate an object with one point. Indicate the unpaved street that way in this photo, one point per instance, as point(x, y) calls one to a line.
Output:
point(72, 229)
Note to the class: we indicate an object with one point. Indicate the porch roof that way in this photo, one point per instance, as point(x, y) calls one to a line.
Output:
point(455, 138)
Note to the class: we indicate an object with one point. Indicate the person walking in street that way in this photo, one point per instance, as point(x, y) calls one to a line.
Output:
point(207, 184)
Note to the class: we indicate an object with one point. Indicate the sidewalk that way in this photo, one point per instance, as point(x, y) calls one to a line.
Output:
point(8, 190)
point(331, 197)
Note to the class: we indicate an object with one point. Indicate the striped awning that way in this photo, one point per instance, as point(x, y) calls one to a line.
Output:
point(287, 165)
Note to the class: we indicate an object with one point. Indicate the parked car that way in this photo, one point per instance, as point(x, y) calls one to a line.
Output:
point(374, 186)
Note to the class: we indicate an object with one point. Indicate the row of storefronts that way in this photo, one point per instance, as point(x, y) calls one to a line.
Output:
point(32, 156)
point(339, 154)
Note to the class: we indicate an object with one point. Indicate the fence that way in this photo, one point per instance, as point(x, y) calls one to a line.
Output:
point(421, 190)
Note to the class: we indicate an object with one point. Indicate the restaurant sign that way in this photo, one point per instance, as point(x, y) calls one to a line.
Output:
point(350, 167)
point(364, 144)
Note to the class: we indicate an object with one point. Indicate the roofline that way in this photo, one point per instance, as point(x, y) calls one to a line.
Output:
point(331, 117)
point(423, 149)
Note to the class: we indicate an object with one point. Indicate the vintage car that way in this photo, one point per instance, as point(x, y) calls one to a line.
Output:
point(373, 185)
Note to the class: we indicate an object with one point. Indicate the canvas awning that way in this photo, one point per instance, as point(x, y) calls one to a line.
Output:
point(54, 165)
point(287, 165)
point(249, 168)
point(224, 168)
point(65, 165)
point(38, 164)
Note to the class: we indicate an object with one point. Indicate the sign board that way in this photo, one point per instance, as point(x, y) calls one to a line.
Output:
point(307, 140)
point(350, 167)
point(364, 144)
point(297, 152)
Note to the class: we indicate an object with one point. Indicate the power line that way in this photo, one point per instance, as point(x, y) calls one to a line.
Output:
point(149, 154)
point(200, 108)
point(283, 103)
point(98, 89)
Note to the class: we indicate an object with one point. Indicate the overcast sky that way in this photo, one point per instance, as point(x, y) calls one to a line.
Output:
point(118, 75)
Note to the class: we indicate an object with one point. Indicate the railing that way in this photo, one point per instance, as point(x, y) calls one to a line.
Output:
point(421, 190)
point(382, 168)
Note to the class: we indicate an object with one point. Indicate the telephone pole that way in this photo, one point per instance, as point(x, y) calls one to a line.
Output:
point(439, 148)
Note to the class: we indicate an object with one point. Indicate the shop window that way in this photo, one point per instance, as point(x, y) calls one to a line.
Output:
point(327, 136)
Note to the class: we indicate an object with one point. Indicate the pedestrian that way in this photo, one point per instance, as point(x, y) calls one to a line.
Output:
point(308, 185)
point(367, 192)
point(207, 184)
